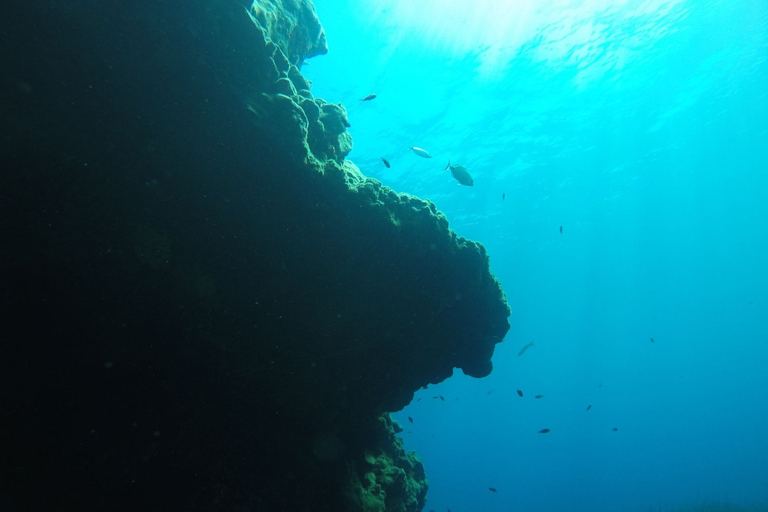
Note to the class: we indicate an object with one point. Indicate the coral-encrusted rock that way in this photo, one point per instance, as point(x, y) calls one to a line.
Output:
point(281, 61)
point(285, 87)
point(293, 26)
point(311, 109)
point(325, 134)
point(334, 118)
point(204, 305)
point(298, 79)
point(345, 144)
point(382, 476)
point(284, 116)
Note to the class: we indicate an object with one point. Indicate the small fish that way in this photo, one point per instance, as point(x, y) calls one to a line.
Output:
point(561, 230)
point(488, 393)
point(460, 174)
point(386, 164)
point(522, 350)
point(418, 399)
point(544, 431)
point(442, 398)
point(539, 396)
point(369, 97)
point(653, 340)
point(410, 419)
point(421, 152)
point(588, 407)
point(492, 489)
point(615, 429)
point(435, 397)
point(503, 196)
point(520, 393)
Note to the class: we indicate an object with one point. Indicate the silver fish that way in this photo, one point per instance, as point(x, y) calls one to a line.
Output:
point(421, 152)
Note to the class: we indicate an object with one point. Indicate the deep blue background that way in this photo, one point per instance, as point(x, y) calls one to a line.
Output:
point(641, 127)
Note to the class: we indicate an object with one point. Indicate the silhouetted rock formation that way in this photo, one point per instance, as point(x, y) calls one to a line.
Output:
point(204, 305)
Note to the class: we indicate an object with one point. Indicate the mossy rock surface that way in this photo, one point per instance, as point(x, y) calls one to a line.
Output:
point(206, 306)
point(386, 477)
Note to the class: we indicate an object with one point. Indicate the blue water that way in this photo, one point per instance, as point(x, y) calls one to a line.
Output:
point(641, 128)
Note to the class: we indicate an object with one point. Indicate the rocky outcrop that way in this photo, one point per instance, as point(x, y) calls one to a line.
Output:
point(205, 305)
point(383, 476)
point(293, 26)
point(285, 104)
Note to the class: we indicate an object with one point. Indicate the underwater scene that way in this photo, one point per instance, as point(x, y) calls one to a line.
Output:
point(619, 155)
point(433, 255)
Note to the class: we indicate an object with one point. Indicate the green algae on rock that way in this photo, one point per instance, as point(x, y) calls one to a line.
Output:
point(278, 103)
point(292, 25)
point(386, 478)
point(218, 306)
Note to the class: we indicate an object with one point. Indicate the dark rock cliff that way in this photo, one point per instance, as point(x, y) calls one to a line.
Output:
point(204, 305)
